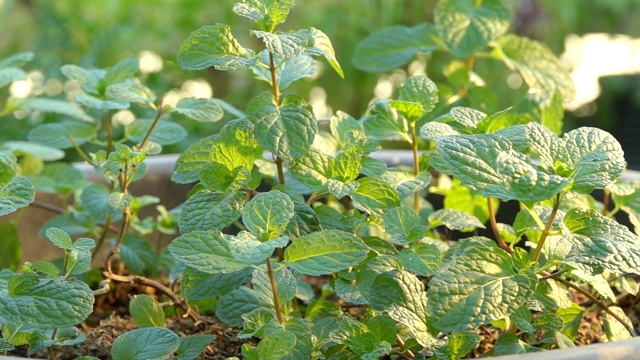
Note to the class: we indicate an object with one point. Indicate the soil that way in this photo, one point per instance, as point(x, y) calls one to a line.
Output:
point(110, 320)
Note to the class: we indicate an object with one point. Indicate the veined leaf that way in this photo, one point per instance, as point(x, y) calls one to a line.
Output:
point(146, 312)
point(266, 13)
point(205, 110)
point(268, 214)
point(55, 134)
point(287, 131)
point(402, 296)
point(320, 45)
point(55, 106)
point(235, 145)
point(454, 220)
point(284, 45)
point(539, 67)
point(394, 46)
point(421, 259)
point(135, 93)
point(325, 252)
point(404, 225)
point(208, 210)
point(146, 343)
point(197, 285)
point(188, 165)
point(206, 251)
point(420, 90)
point(466, 26)
point(313, 169)
point(288, 71)
point(375, 196)
point(15, 194)
point(382, 123)
point(476, 286)
point(122, 71)
point(214, 45)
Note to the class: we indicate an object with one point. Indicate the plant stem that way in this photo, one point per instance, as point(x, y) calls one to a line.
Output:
point(605, 202)
point(316, 197)
point(596, 301)
point(153, 126)
point(494, 227)
point(80, 152)
point(547, 230)
point(103, 235)
point(274, 290)
point(416, 166)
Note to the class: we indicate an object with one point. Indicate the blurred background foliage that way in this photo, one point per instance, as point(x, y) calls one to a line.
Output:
point(99, 33)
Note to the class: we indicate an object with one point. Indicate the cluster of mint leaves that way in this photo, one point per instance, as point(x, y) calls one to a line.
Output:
point(333, 210)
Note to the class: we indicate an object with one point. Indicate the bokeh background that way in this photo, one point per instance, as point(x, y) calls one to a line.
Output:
point(598, 39)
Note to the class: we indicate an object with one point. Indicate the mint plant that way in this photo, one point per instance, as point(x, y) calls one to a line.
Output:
point(306, 240)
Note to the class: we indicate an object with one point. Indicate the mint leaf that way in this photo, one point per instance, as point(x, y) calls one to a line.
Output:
point(537, 65)
point(19, 59)
point(458, 345)
point(347, 166)
point(463, 118)
point(268, 214)
point(11, 74)
point(191, 160)
point(120, 201)
point(216, 176)
point(476, 286)
point(284, 45)
point(320, 45)
point(206, 251)
point(197, 285)
point(46, 304)
point(267, 13)
point(211, 210)
point(214, 45)
point(419, 90)
point(489, 165)
point(45, 153)
point(135, 93)
point(382, 123)
point(325, 252)
point(462, 198)
point(454, 220)
point(278, 345)
point(599, 241)
point(246, 248)
point(205, 110)
point(146, 312)
point(313, 169)
point(613, 328)
point(286, 284)
point(135, 252)
point(421, 259)
point(287, 131)
point(467, 26)
point(375, 196)
point(288, 71)
point(124, 70)
point(99, 103)
point(147, 343)
point(231, 307)
point(55, 134)
point(59, 238)
point(404, 225)
point(393, 47)
point(54, 106)
point(192, 346)
point(95, 201)
point(305, 221)
point(165, 132)
point(401, 295)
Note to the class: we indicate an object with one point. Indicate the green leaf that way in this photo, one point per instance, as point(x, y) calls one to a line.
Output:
point(285, 282)
point(206, 251)
point(401, 295)
point(95, 201)
point(11, 74)
point(209, 210)
point(46, 304)
point(40, 151)
point(55, 106)
point(99, 103)
point(59, 178)
point(147, 343)
point(15, 194)
point(420, 90)
point(393, 47)
point(205, 110)
point(164, 133)
point(59, 238)
point(454, 220)
point(383, 328)
point(347, 165)
point(463, 118)
point(120, 201)
point(305, 221)
point(197, 285)
point(509, 343)
point(382, 123)
point(190, 162)
point(284, 45)
point(458, 345)
point(279, 345)
point(124, 70)
point(146, 312)
point(56, 134)
point(421, 259)
point(464, 199)
point(537, 65)
point(320, 45)
point(300, 67)
point(246, 248)
point(12, 252)
point(19, 59)
point(522, 319)
point(313, 169)
point(489, 165)
point(135, 93)
point(136, 253)
point(613, 328)
point(232, 306)
point(325, 252)
point(215, 176)
point(214, 45)
point(287, 131)
point(192, 346)
point(375, 196)
point(466, 26)
point(8, 166)
point(266, 13)
point(599, 241)
point(268, 214)
point(404, 225)
point(477, 286)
